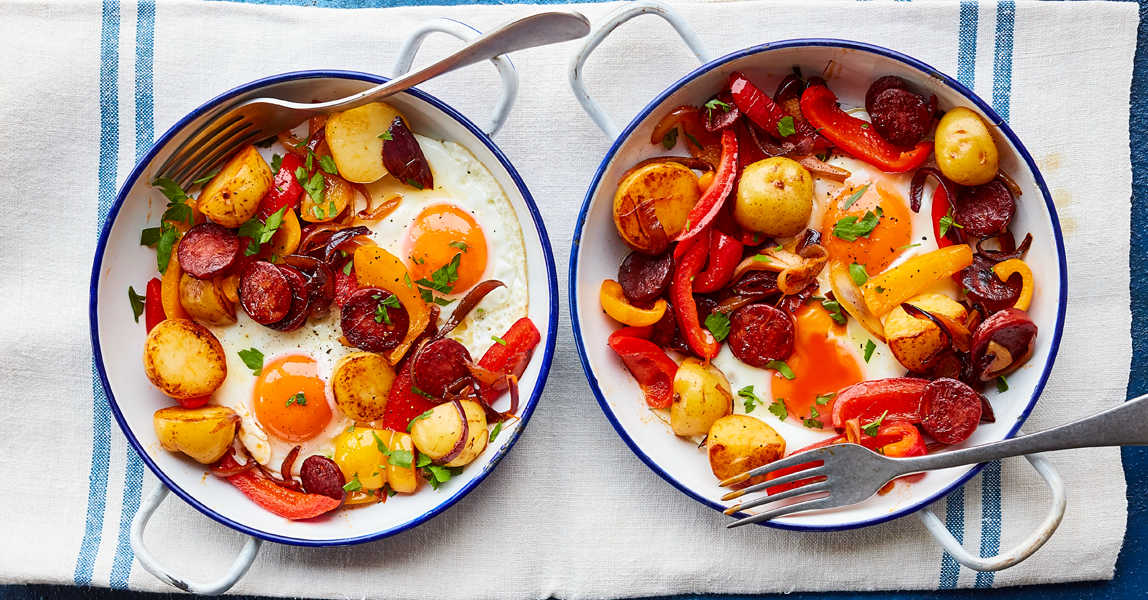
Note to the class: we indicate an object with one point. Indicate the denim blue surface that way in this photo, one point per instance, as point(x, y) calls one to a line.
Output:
point(1128, 582)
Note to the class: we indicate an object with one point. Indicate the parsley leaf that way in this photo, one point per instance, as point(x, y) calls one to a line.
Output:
point(460, 245)
point(253, 358)
point(354, 484)
point(850, 228)
point(347, 267)
point(718, 324)
point(276, 163)
point(869, 348)
point(1002, 385)
point(855, 197)
point(857, 274)
point(670, 139)
point(781, 367)
point(150, 236)
point(422, 416)
point(381, 314)
point(494, 432)
point(328, 164)
point(778, 410)
point(170, 189)
point(693, 140)
point(386, 135)
point(407, 279)
point(414, 184)
point(948, 222)
point(834, 308)
point(206, 178)
point(812, 421)
point(761, 258)
point(401, 458)
point(442, 281)
point(137, 303)
point(907, 246)
point(299, 399)
point(785, 126)
point(871, 429)
point(423, 461)
point(381, 445)
point(165, 245)
point(715, 103)
point(752, 400)
point(824, 399)
point(437, 475)
point(259, 232)
point(498, 339)
point(313, 185)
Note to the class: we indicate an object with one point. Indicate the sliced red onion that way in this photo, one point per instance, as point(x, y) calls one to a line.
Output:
point(461, 443)
point(917, 187)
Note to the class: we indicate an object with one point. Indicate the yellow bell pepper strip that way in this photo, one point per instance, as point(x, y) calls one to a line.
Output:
point(1006, 269)
point(615, 304)
point(375, 267)
point(169, 292)
point(889, 289)
point(706, 210)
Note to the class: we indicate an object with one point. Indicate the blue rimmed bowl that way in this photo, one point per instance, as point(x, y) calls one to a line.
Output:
point(118, 341)
point(597, 251)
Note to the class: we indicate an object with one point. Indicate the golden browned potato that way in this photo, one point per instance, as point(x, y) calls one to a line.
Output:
point(402, 479)
point(353, 136)
point(337, 194)
point(738, 443)
point(183, 359)
point(361, 384)
point(233, 195)
point(966, 152)
point(205, 301)
point(775, 197)
point(203, 433)
point(436, 435)
point(701, 396)
point(912, 340)
point(674, 190)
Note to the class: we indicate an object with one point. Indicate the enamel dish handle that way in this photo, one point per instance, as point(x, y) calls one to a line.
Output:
point(1022, 551)
point(163, 573)
point(465, 33)
point(607, 26)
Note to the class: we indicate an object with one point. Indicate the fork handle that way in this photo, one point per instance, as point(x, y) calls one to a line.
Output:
point(1124, 425)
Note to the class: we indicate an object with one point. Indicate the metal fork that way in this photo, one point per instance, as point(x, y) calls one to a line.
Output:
point(850, 473)
point(260, 118)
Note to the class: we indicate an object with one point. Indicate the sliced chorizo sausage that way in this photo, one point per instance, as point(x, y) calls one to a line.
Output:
point(371, 321)
point(985, 210)
point(643, 278)
point(300, 300)
point(901, 117)
point(439, 365)
point(264, 292)
point(208, 250)
point(1002, 343)
point(663, 331)
point(760, 333)
point(984, 287)
point(888, 82)
point(950, 410)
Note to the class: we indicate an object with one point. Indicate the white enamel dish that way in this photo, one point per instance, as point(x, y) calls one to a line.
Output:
point(117, 340)
point(597, 251)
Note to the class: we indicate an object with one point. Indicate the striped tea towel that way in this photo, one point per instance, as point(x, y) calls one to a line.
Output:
point(571, 513)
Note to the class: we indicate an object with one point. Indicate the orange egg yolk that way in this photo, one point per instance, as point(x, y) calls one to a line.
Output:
point(821, 365)
point(279, 408)
point(438, 234)
point(887, 240)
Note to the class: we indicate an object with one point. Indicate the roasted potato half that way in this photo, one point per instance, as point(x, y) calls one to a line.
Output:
point(738, 443)
point(205, 301)
point(966, 152)
point(674, 190)
point(183, 359)
point(914, 341)
point(436, 434)
point(337, 194)
point(353, 136)
point(701, 396)
point(203, 433)
point(775, 197)
point(232, 196)
point(361, 384)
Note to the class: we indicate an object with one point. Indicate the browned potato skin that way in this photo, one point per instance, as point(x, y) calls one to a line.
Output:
point(913, 340)
point(361, 385)
point(738, 443)
point(673, 188)
point(205, 302)
point(203, 433)
point(232, 196)
point(183, 359)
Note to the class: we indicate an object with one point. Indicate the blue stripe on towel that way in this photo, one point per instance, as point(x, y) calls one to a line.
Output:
point(145, 133)
point(101, 413)
point(966, 74)
point(991, 476)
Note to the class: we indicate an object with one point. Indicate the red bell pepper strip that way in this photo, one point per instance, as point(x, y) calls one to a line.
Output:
point(706, 210)
point(885, 437)
point(700, 340)
point(153, 304)
point(285, 190)
point(403, 404)
point(940, 209)
point(868, 400)
point(649, 364)
point(635, 332)
point(725, 254)
point(819, 105)
point(756, 105)
point(511, 358)
point(279, 500)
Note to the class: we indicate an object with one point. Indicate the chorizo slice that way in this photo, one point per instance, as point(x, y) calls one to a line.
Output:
point(644, 278)
point(950, 410)
point(438, 365)
point(208, 250)
point(371, 321)
point(300, 300)
point(901, 117)
point(985, 210)
point(760, 334)
point(888, 82)
point(264, 292)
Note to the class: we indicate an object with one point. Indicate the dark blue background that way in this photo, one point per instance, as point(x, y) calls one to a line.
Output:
point(1133, 562)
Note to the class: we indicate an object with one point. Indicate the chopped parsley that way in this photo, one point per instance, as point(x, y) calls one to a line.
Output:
point(857, 274)
point(347, 267)
point(1002, 385)
point(259, 232)
point(386, 135)
point(778, 409)
point(441, 281)
point(137, 303)
point(206, 178)
point(498, 339)
point(381, 313)
point(299, 399)
point(715, 103)
point(253, 359)
point(869, 348)
point(824, 399)
point(811, 421)
point(785, 126)
point(166, 234)
point(907, 246)
point(761, 258)
point(781, 367)
point(436, 475)
point(751, 399)
point(354, 484)
point(414, 184)
point(879, 290)
point(850, 228)
point(670, 139)
point(693, 140)
point(855, 197)
point(718, 324)
point(460, 245)
point(276, 163)
point(494, 432)
point(871, 429)
point(834, 308)
point(422, 416)
point(416, 390)
point(948, 222)
point(328, 164)
point(313, 185)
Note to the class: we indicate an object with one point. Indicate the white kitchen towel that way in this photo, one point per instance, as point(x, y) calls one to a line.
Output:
point(571, 512)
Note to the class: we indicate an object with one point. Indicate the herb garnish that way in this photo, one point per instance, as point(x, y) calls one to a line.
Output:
point(137, 303)
point(850, 228)
point(253, 358)
point(718, 324)
point(781, 367)
point(855, 197)
point(871, 429)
